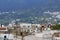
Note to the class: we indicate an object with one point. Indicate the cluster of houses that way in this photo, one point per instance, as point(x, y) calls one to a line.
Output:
point(24, 27)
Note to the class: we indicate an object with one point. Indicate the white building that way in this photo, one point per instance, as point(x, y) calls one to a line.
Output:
point(9, 36)
point(36, 27)
point(30, 27)
point(25, 25)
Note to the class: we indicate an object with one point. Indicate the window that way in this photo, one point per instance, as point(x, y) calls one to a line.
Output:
point(28, 26)
point(36, 26)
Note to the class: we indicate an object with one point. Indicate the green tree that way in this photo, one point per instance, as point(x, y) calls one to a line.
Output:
point(55, 27)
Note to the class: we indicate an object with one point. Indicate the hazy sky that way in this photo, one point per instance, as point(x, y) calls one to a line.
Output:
point(17, 4)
